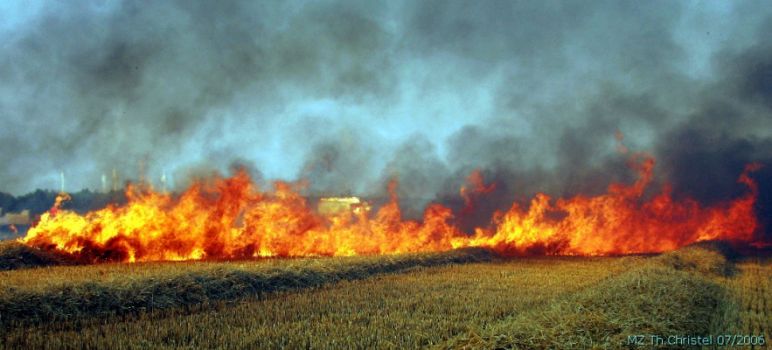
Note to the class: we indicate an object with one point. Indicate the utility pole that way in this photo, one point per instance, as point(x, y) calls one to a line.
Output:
point(115, 180)
point(163, 181)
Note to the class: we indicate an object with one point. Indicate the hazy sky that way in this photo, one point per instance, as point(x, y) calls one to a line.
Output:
point(349, 94)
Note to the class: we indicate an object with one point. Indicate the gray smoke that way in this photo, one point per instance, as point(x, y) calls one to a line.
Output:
point(351, 94)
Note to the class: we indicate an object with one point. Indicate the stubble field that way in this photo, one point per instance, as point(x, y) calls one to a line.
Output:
point(462, 299)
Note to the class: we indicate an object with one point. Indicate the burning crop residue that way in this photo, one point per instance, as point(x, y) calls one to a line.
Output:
point(621, 222)
point(231, 218)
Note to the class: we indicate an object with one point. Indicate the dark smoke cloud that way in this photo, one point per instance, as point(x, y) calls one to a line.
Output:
point(88, 89)
point(349, 95)
point(337, 165)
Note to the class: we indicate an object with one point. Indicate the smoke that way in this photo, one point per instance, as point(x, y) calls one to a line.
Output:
point(350, 95)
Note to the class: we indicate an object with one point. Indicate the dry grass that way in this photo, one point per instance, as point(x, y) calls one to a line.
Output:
point(70, 293)
point(14, 255)
point(533, 303)
point(124, 274)
point(749, 311)
point(672, 294)
point(705, 258)
point(419, 308)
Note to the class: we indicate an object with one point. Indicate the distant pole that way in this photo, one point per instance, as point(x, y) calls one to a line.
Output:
point(104, 183)
point(115, 180)
point(61, 181)
point(142, 178)
point(163, 181)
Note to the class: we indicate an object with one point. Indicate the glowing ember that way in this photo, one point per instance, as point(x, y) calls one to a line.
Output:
point(231, 218)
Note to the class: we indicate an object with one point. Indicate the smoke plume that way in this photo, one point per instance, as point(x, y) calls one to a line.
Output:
point(349, 95)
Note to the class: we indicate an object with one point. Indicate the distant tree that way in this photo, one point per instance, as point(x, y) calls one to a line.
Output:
point(37, 202)
point(40, 201)
point(6, 201)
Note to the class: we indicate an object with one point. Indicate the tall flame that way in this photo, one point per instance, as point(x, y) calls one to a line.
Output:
point(232, 218)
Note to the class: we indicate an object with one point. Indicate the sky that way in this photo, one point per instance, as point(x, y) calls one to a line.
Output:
point(347, 95)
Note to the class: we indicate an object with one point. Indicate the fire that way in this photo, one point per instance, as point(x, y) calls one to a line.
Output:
point(476, 187)
point(230, 217)
point(621, 221)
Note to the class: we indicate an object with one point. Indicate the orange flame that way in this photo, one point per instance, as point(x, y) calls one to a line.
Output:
point(476, 188)
point(231, 218)
point(621, 222)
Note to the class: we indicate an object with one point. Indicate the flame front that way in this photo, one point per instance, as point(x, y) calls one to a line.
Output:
point(232, 218)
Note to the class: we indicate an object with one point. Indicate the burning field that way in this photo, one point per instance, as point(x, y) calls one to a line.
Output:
point(229, 218)
point(385, 175)
point(621, 269)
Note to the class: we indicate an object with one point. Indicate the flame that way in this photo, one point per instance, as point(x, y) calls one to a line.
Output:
point(621, 221)
point(475, 188)
point(225, 218)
